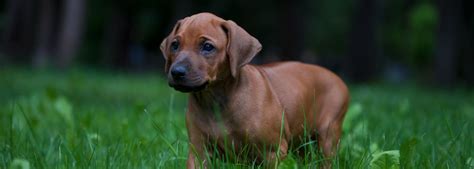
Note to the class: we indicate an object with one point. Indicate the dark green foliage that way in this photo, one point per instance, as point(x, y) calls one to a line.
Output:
point(423, 23)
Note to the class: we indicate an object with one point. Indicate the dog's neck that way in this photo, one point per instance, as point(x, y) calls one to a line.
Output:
point(216, 96)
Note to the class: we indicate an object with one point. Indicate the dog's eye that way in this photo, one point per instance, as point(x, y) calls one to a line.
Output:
point(174, 46)
point(207, 47)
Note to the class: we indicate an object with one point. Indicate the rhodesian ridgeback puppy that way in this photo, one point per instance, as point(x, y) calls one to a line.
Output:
point(232, 103)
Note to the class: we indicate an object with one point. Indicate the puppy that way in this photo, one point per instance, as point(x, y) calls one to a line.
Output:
point(233, 104)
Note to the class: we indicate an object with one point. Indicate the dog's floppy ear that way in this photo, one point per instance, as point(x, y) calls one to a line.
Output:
point(164, 45)
point(241, 46)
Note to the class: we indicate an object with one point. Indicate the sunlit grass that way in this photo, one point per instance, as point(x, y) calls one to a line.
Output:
point(97, 119)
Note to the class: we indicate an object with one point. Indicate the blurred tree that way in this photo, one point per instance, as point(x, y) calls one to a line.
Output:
point(182, 8)
point(447, 44)
point(291, 29)
point(361, 62)
point(46, 36)
point(18, 36)
point(328, 25)
point(422, 28)
point(252, 18)
point(117, 34)
point(70, 31)
point(467, 58)
point(433, 37)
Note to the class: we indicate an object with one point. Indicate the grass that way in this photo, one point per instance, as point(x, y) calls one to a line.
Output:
point(99, 119)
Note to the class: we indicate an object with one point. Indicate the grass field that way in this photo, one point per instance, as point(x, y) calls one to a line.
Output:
point(99, 119)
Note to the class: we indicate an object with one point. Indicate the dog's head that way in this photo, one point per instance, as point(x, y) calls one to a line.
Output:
point(203, 48)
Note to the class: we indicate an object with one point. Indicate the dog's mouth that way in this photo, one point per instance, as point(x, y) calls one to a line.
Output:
point(187, 89)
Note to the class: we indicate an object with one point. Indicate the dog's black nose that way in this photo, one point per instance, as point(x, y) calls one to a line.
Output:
point(178, 72)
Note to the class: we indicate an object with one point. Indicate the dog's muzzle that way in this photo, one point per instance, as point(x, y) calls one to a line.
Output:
point(188, 88)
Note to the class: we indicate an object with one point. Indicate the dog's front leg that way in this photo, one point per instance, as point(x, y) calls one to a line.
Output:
point(197, 152)
point(274, 157)
point(197, 145)
point(195, 159)
point(191, 163)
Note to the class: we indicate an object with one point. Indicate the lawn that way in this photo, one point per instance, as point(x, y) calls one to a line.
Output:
point(101, 119)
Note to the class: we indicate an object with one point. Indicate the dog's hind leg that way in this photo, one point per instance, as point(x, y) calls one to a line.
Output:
point(329, 124)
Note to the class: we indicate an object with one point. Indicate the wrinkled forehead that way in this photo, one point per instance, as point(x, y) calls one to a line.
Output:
point(201, 26)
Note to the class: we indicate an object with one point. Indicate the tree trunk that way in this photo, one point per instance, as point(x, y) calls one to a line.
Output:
point(291, 29)
point(71, 31)
point(181, 9)
point(361, 62)
point(46, 28)
point(17, 38)
point(467, 58)
point(12, 22)
point(446, 50)
point(117, 38)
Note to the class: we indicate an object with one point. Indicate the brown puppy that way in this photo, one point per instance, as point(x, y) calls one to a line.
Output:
point(233, 104)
